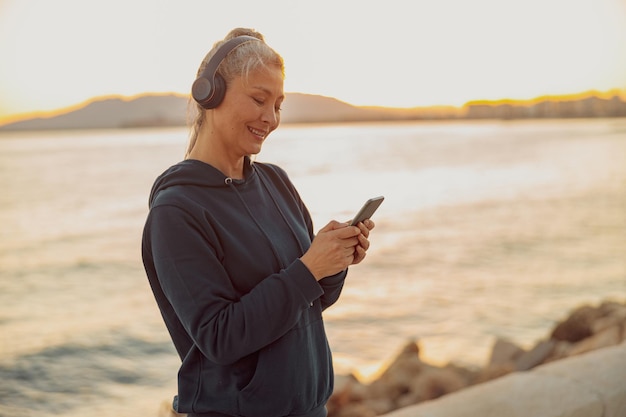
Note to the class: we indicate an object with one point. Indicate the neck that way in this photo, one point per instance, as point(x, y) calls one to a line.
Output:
point(231, 169)
point(210, 152)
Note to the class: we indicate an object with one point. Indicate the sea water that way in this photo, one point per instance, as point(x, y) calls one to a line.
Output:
point(489, 229)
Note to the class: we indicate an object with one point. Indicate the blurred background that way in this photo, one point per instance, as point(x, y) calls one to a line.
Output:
point(495, 129)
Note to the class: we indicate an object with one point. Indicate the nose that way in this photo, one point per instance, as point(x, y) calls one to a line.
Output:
point(270, 116)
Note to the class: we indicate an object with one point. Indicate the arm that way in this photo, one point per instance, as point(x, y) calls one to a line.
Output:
point(333, 285)
point(224, 325)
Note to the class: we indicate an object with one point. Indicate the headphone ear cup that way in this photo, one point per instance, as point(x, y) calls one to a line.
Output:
point(207, 95)
point(218, 93)
point(201, 89)
point(209, 88)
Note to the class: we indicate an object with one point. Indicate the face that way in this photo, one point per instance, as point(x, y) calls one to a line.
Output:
point(249, 112)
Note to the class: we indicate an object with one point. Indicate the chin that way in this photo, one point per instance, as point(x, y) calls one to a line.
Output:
point(254, 151)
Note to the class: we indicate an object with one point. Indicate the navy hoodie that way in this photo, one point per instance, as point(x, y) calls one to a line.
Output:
point(244, 313)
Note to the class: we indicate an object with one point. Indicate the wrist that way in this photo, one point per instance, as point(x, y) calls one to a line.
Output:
point(310, 265)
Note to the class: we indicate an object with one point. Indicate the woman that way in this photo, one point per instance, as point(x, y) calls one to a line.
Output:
point(228, 246)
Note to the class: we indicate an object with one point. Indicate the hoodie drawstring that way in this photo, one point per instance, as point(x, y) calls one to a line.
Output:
point(282, 214)
point(229, 182)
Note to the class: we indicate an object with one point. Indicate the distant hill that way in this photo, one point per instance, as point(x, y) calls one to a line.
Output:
point(113, 113)
point(574, 106)
point(171, 110)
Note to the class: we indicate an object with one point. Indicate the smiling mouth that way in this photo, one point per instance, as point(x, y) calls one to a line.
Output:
point(260, 133)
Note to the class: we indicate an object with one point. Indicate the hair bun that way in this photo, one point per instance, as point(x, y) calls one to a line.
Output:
point(244, 32)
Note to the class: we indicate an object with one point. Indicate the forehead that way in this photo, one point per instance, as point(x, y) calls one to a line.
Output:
point(268, 79)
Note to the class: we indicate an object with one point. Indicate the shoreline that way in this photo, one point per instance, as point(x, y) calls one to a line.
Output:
point(408, 380)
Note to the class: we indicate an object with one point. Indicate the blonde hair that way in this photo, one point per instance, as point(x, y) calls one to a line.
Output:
point(244, 59)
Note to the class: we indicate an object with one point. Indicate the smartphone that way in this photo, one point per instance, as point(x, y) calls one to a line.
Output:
point(367, 210)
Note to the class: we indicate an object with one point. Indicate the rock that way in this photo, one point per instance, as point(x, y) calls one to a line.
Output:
point(343, 381)
point(535, 356)
point(578, 325)
point(347, 389)
point(355, 410)
point(166, 410)
point(613, 308)
point(435, 382)
point(467, 374)
point(358, 391)
point(408, 399)
point(504, 352)
point(607, 337)
point(613, 314)
point(493, 372)
point(561, 350)
point(605, 322)
point(408, 380)
point(396, 379)
point(380, 406)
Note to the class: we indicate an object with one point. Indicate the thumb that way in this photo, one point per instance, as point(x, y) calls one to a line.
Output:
point(333, 225)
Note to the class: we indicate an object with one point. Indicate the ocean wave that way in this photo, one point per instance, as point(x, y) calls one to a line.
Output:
point(68, 376)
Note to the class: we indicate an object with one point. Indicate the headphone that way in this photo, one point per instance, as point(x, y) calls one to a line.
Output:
point(209, 88)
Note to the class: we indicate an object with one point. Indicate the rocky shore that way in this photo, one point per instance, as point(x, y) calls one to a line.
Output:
point(408, 380)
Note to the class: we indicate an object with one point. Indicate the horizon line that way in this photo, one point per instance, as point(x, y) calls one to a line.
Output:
point(4, 120)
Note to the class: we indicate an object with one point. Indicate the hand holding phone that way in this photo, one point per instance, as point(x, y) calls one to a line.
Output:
point(367, 210)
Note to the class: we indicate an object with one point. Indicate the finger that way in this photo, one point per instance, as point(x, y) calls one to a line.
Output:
point(347, 232)
point(359, 255)
point(332, 225)
point(364, 242)
point(364, 230)
point(338, 225)
point(350, 257)
point(350, 244)
point(369, 223)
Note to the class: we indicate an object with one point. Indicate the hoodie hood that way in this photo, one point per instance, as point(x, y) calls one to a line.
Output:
point(196, 173)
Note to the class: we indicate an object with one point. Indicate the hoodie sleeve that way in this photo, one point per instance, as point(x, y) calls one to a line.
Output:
point(224, 326)
point(332, 285)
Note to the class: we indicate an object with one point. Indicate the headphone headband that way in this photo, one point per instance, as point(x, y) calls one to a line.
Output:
point(209, 88)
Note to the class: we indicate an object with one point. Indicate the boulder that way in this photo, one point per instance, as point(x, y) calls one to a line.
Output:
point(607, 337)
point(408, 380)
point(434, 382)
point(353, 410)
point(396, 379)
point(504, 352)
point(535, 356)
point(347, 389)
point(613, 308)
point(613, 314)
point(578, 325)
point(493, 372)
point(166, 410)
point(561, 350)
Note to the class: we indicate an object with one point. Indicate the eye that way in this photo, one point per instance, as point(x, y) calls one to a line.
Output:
point(258, 101)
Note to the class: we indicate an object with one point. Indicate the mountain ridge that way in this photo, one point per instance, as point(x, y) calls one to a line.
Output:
point(169, 109)
point(173, 109)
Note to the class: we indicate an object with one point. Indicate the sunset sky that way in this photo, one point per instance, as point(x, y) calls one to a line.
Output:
point(408, 53)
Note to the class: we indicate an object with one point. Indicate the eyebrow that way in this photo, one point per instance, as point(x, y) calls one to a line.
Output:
point(266, 90)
